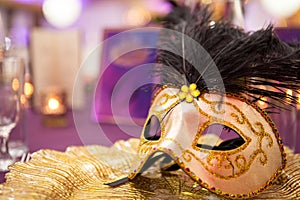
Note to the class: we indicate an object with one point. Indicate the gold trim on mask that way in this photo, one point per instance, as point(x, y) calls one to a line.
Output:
point(242, 163)
point(232, 161)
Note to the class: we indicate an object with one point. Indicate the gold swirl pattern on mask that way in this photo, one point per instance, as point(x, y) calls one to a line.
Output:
point(241, 118)
point(213, 120)
point(262, 134)
point(213, 105)
point(160, 90)
point(165, 110)
point(165, 98)
point(186, 156)
point(240, 161)
point(224, 162)
point(222, 159)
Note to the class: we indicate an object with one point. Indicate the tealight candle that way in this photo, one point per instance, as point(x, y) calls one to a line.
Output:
point(54, 108)
point(53, 104)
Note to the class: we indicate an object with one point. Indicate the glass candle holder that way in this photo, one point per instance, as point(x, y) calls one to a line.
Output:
point(54, 108)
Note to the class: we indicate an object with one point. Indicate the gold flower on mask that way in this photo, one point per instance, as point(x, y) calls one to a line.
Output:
point(188, 93)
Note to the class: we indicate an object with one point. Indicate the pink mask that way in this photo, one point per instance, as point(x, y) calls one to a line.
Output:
point(241, 171)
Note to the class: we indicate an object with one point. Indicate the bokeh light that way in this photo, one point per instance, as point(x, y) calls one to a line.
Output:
point(281, 9)
point(62, 13)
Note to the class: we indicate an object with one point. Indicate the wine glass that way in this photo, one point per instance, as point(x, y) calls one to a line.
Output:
point(11, 88)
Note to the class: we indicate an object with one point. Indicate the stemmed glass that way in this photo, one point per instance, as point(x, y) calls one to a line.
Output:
point(11, 88)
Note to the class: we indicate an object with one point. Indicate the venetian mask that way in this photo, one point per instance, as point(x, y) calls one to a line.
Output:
point(238, 168)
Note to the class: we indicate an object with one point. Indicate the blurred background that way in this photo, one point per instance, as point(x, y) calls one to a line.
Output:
point(54, 37)
point(90, 18)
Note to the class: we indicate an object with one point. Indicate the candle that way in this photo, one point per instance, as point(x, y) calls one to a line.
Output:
point(54, 108)
point(53, 104)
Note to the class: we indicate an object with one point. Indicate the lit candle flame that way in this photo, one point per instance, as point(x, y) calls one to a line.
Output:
point(53, 104)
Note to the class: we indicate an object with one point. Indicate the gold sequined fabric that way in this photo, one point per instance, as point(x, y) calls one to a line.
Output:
point(80, 173)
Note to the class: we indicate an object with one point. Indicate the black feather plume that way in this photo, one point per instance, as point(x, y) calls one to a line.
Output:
point(219, 56)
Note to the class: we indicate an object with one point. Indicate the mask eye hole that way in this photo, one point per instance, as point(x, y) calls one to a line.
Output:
point(220, 137)
point(152, 129)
